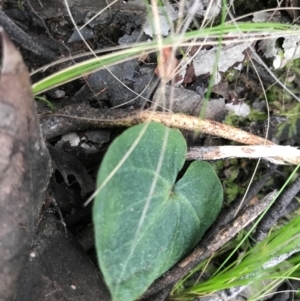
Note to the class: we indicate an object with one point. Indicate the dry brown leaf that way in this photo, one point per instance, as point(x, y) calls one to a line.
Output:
point(167, 64)
point(24, 167)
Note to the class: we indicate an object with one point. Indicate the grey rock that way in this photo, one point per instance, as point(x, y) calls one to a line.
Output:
point(181, 100)
point(86, 32)
point(259, 106)
point(136, 36)
point(58, 93)
point(116, 84)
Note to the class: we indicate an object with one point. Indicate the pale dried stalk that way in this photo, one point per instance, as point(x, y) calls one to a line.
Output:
point(95, 118)
point(276, 154)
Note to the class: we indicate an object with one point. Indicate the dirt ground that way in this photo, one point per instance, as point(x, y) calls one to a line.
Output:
point(53, 255)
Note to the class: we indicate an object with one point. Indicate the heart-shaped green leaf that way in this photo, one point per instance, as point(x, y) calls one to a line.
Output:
point(144, 221)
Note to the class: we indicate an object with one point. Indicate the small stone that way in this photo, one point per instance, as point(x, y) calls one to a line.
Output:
point(87, 34)
point(56, 93)
point(180, 100)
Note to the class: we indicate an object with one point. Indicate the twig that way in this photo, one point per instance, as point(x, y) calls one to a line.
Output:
point(161, 295)
point(83, 117)
point(276, 154)
point(276, 211)
point(24, 40)
point(228, 213)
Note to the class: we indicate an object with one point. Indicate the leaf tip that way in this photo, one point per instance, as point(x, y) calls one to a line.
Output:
point(11, 58)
